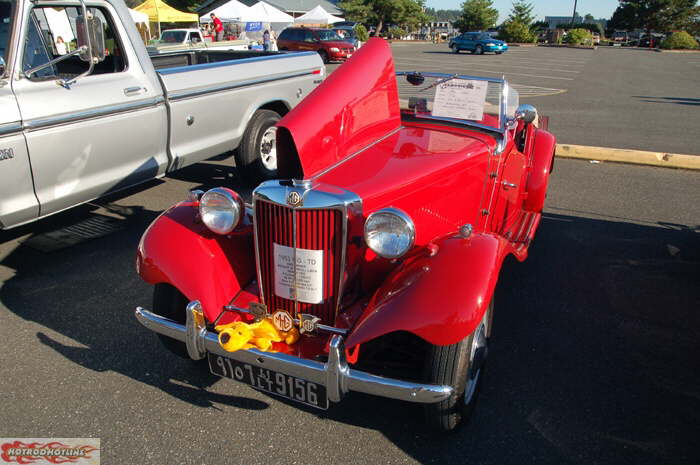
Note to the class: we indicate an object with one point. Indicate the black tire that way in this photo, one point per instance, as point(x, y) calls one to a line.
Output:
point(324, 55)
point(479, 50)
point(255, 158)
point(498, 53)
point(455, 49)
point(168, 302)
point(452, 365)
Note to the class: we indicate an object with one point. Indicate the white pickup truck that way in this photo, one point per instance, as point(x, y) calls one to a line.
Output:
point(191, 39)
point(92, 113)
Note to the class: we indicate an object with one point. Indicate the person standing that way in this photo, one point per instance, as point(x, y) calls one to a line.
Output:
point(61, 47)
point(266, 40)
point(273, 41)
point(218, 27)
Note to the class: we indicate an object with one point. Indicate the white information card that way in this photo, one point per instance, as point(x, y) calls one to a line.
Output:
point(309, 274)
point(460, 98)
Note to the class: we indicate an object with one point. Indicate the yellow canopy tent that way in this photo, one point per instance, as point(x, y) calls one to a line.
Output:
point(160, 12)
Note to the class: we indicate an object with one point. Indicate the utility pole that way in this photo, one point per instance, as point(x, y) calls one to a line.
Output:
point(573, 16)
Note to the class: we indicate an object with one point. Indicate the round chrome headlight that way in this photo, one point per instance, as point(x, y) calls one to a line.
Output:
point(221, 209)
point(389, 232)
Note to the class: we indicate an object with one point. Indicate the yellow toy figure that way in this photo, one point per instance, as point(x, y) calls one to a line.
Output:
point(239, 335)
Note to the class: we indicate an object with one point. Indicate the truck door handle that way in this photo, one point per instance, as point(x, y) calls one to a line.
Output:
point(131, 91)
point(508, 185)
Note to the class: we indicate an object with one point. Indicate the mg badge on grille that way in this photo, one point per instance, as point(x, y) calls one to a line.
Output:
point(308, 323)
point(294, 199)
point(282, 320)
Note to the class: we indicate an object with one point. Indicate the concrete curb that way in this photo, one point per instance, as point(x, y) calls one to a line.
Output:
point(637, 157)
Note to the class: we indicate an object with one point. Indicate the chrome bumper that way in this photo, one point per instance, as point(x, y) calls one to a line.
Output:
point(335, 374)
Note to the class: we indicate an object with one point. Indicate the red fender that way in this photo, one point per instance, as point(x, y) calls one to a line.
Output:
point(542, 162)
point(179, 250)
point(441, 297)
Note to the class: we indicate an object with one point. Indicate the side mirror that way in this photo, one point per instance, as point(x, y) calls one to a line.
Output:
point(526, 113)
point(415, 78)
point(91, 36)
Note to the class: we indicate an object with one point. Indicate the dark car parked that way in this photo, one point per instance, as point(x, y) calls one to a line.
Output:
point(326, 42)
point(477, 42)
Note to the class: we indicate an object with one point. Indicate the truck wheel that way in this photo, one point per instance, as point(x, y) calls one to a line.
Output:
point(168, 302)
point(257, 153)
point(458, 365)
point(324, 55)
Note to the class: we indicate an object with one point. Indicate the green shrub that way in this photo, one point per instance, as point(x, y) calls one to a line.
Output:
point(579, 37)
point(361, 33)
point(516, 31)
point(396, 33)
point(679, 40)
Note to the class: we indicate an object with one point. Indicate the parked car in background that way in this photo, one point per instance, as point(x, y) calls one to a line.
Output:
point(326, 42)
point(377, 251)
point(478, 43)
point(187, 39)
point(347, 33)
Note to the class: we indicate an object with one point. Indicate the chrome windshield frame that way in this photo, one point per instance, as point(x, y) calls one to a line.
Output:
point(503, 100)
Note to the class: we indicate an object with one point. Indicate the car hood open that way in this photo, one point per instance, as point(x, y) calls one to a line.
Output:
point(355, 106)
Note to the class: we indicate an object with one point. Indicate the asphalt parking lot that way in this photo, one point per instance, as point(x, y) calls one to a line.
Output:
point(609, 97)
point(594, 357)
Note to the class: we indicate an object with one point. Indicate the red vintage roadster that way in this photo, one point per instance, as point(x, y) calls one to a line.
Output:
point(400, 195)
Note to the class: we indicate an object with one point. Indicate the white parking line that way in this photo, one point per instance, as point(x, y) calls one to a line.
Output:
point(404, 63)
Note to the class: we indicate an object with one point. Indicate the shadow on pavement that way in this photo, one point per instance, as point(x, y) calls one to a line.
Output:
point(593, 359)
point(594, 356)
point(676, 100)
point(94, 307)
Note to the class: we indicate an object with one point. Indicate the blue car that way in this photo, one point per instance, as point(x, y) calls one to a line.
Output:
point(478, 43)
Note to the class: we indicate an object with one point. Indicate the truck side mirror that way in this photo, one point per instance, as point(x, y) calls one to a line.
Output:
point(91, 35)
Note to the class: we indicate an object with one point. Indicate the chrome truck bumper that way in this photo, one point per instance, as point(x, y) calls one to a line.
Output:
point(335, 374)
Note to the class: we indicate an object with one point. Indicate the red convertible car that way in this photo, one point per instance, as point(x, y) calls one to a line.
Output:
point(371, 264)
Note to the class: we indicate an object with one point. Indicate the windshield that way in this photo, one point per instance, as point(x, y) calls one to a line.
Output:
point(485, 37)
point(473, 100)
point(327, 35)
point(173, 36)
point(6, 10)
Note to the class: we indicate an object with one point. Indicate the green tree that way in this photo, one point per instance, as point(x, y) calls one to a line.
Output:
point(579, 37)
point(589, 18)
point(522, 12)
point(515, 31)
point(477, 15)
point(379, 12)
point(653, 15)
point(681, 40)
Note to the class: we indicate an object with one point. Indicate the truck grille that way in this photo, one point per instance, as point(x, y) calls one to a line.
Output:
point(316, 229)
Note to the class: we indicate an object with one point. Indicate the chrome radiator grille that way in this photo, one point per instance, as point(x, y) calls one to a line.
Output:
point(321, 229)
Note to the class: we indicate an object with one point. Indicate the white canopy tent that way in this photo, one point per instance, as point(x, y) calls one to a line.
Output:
point(231, 11)
point(265, 12)
point(317, 16)
point(139, 18)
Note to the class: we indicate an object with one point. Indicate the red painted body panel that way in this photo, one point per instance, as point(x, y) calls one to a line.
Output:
point(542, 160)
point(204, 266)
point(355, 106)
point(434, 175)
point(441, 297)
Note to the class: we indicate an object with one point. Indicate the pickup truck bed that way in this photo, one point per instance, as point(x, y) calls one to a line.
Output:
point(134, 117)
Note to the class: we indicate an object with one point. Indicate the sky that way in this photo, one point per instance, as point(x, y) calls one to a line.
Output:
point(598, 8)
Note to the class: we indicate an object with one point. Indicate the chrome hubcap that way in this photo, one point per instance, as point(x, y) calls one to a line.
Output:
point(268, 148)
point(477, 356)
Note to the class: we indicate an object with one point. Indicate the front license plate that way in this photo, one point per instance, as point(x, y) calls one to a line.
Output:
point(283, 385)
